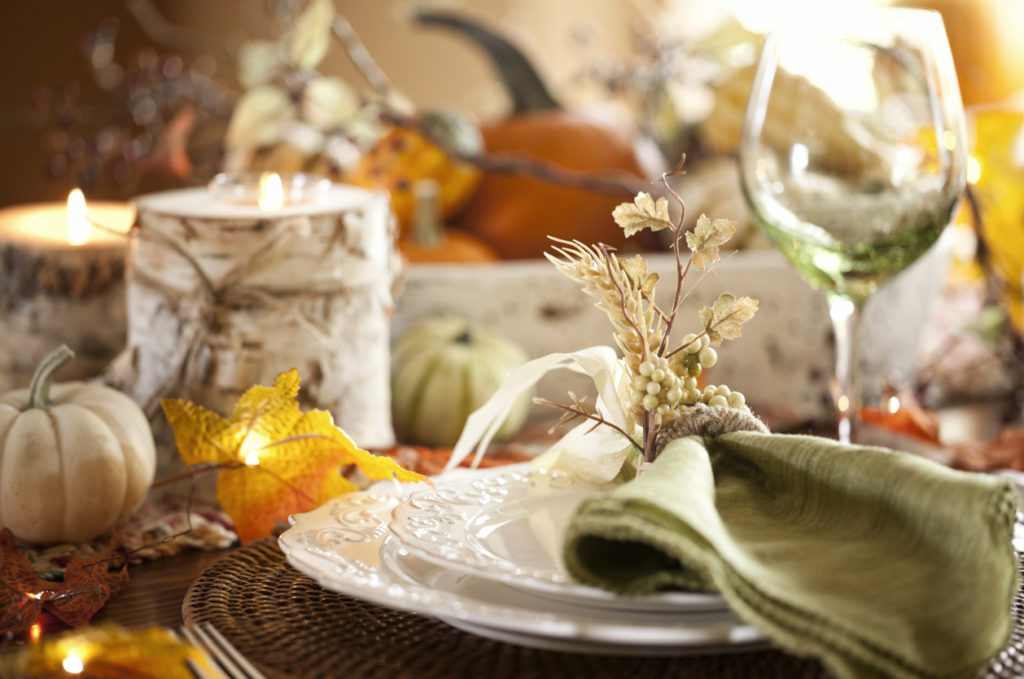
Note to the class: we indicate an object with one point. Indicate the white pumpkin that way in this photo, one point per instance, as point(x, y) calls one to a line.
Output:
point(441, 371)
point(76, 459)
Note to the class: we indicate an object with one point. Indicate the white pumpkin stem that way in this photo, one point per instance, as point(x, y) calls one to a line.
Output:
point(42, 380)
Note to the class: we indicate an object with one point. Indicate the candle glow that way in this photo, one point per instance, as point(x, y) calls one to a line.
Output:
point(78, 225)
point(271, 191)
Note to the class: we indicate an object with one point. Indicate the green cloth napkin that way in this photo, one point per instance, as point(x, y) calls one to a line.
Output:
point(879, 563)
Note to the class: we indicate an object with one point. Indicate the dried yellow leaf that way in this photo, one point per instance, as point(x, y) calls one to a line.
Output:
point(706, 238)
point(725, 318)
point(310, 35)
point(643, 213)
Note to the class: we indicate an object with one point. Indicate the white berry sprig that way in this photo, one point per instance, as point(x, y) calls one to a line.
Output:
point(663, 380)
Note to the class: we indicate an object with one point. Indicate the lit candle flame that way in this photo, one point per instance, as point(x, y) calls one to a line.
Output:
point(271, 191)
point(35, 632)
point(78, 226)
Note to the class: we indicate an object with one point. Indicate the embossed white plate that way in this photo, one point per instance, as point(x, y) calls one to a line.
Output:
point(345, 546)
point(508, 527)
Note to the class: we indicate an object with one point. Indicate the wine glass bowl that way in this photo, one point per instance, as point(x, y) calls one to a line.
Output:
point(853, 156)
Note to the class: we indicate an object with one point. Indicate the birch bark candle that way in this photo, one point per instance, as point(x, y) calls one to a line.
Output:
point(227, 290)
point(62, 282)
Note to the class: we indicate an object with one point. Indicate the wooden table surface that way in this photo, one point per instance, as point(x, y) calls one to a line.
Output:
point(156, 590)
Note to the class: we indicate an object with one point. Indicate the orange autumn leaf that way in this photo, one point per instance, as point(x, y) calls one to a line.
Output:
point(275, 459)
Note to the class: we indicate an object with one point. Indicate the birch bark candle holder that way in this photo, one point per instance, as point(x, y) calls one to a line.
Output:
point(62, 282)
point(226, 291)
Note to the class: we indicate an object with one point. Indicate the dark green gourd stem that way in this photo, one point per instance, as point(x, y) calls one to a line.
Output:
point(42, 379)
point(523, 83)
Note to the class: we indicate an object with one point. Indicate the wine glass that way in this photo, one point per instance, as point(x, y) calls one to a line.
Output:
point(853, 157)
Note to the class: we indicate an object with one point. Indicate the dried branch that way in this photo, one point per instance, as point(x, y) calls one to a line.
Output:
point(681, 272)
point(610, 183)
point(361, 57)
point(577, 412)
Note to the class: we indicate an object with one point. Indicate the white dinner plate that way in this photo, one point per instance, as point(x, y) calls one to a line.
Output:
point(344, 545)
point(508, 526)
point(600, 647)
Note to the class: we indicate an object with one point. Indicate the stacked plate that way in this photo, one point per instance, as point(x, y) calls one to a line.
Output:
point(481, 551)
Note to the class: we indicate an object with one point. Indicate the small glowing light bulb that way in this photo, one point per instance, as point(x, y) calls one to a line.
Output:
point(973, 169)
point(252, 459)
point(949, 140)
point(73, 664)
point(893, 405)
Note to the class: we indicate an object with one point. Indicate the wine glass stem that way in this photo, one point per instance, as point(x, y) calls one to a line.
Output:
point(846, 315)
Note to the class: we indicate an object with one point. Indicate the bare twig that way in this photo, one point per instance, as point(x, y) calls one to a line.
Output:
point(576, 411)
point(610, 183)
point(192, 473)
point(683, 346)
point(681, 273)
point(361, 57)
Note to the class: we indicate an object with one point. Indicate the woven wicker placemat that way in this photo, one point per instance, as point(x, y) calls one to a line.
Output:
point(289, 626)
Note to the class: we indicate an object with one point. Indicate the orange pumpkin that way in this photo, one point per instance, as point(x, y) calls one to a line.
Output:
point(515, 212)
point(451, 247)
point(404, 156)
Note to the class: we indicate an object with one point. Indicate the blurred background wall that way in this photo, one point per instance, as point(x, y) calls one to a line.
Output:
point(51, 104)
point(53, 109)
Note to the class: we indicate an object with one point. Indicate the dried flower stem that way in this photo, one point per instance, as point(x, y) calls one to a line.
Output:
point(650, 432)
point(681, 272)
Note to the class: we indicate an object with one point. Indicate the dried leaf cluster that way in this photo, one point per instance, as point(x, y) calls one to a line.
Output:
point(85, 589)
point(662, 377)
point(293, 109)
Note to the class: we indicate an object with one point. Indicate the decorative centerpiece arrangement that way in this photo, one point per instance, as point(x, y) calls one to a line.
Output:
point(666, 486)
point(656, 380)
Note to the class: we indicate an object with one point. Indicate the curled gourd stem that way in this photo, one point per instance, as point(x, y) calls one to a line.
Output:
point(42, 379)
point(524, 85)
